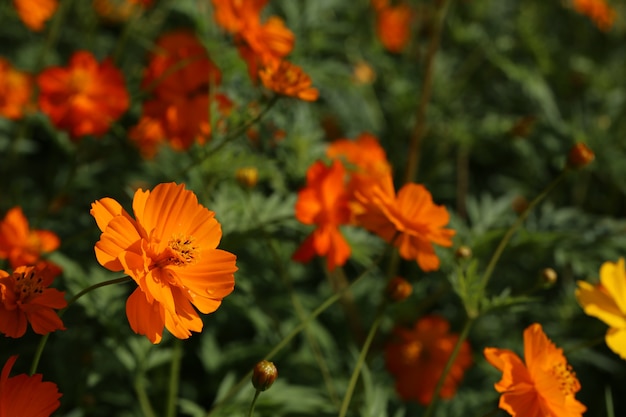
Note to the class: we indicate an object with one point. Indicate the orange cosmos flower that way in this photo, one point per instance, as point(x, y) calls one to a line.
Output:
point(324, 202)
point(84, 98)
point(289, 80)
point(26, 396)
point(364, 154)
point(235, 15)
point(26, 298)
point(597, 10)
point(394, 26)
point(15, 91)
point(544, 386)
point(416, 358)
point(169, 249)
point(410, 220)
point(21, 245)
point(35, 13)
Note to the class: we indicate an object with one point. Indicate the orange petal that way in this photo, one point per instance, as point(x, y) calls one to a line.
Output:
point(145, 318)
point(104, 210)
point(119, 236)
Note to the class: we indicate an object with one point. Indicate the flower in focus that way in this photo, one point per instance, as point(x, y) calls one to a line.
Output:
point(607, 302)
point(170, 251)
point(21, 245)
point(35, 13)
point(15, 91)
point(393, 26)
point(416, 358)
point(324, 203)
point(26, 396)
point(410, 220)
point(288, 79)
point(598, 11)
point(26, 298)
point(84, 98)
point(544, 385)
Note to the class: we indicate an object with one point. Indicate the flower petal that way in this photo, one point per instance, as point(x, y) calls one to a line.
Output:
point(145, 318)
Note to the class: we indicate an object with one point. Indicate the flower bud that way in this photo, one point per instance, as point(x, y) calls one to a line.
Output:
point(264, 375)
point(549, 277)
point(580, 156)
point(398, 289)
point(247, 176)
point(463, 252)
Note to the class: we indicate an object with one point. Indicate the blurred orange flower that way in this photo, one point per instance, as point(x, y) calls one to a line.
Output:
point(364, 154)
point(85, 97)
point(288, 79)
point(26, 396)
point(235, 15)
point(410, 220)
point(26, 298)
point(544, 386)
point(394, 26)
point(117, 11)
point(324, 203)
point(416, 358)
point(170, 250)
point(35, 13)
point(607, 302)
point(598, 11)
point(15, 91)
point(148, 135)
point(21, 245)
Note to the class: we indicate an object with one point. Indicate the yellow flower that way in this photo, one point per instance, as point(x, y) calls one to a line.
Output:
point(607, 301)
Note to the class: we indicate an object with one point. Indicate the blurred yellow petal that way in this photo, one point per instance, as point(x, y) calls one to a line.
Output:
point(598, 303)
point(613, 278)
point(616, 341)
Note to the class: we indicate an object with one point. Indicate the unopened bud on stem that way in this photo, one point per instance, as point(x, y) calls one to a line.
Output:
point(264, 375)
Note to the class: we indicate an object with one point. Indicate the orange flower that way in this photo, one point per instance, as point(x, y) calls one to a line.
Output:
point(597, 10)
point(394, 26)
point(289, 80)
point(35, 13)
point(84, 98)
point(147, 135)
point(364, 153)
point(544, 386)
point(410, 220)
point(324, 202)
point(26, 298)
point(21, 245)
point(416, 358)
point(169, 249)
point(15, 91)
point(235, 15)
point(26, 396)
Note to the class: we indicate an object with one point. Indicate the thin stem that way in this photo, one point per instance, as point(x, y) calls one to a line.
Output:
point(256, 395)
point(142, 396)
point(419, 130)
point(455, 352)
point(172, 397)
point(38, 352)
point(361, 360)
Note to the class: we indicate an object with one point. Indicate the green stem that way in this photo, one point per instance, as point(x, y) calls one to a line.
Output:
point(142, 396)
point(172, 397)
point(256, 395)
point(455, 352)
point(53, 34)
point(38, 352)
point(361, 360)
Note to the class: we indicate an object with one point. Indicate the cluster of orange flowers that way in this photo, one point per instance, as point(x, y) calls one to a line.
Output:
point(393, 24)
point(599, 11)
point(357, 189)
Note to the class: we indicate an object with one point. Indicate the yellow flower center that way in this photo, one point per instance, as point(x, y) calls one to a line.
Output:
point(568, 383)
point(27, 285)
point(182, 251)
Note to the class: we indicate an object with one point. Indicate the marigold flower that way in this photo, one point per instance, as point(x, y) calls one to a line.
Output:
point(35, 13)
point(288, 79)
point(26, 396)
point(394, 26)
point(607, 302)
point(85, 97)
point(21, 245)
point(416, 358)
point(15, 91)
point(26, 298)
point(410, 220)
point(170, 251)
point(544, 385)
point(324, 203)
point(598, 11)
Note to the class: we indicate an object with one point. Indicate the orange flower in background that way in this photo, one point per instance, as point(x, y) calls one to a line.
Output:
point(324, 203)
point(410, 220)
point(148, 135)
point(598, 11)
point(170, 250)
point(289, 80)
point(607, 302)
point(26, 396)
point(544, 385)
point(15, 91)
point(416, 358)
point(35, 13)
point(393, 26)
point(26, 298)
point(235, 15)
point(21, 245)
point(117, 11)
point(364, 153)
point(85, 97)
